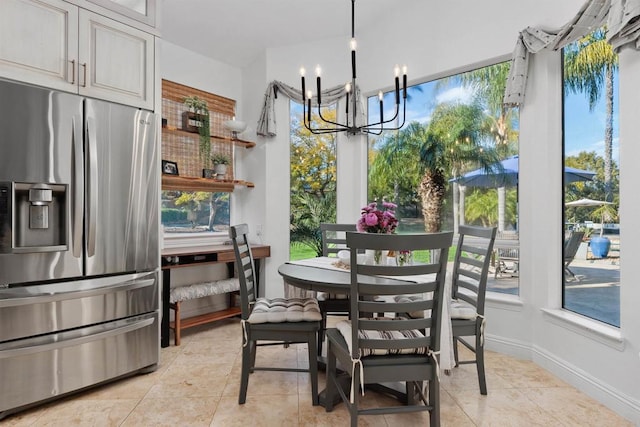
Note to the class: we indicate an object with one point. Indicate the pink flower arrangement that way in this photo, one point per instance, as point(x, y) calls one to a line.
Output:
point(374, 220)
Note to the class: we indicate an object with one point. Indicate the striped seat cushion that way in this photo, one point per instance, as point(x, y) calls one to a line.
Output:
point(344, 327)
point(324, 296)
point(278, 310)
point(204, 289)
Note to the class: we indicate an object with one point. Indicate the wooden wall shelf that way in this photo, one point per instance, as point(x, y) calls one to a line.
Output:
point(237, 142)
point(185, 183)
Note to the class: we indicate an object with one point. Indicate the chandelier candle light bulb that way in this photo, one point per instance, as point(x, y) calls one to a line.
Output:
point(302, 71)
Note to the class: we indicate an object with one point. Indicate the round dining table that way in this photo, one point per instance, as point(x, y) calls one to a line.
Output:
point(326, 280)
point(321, 275)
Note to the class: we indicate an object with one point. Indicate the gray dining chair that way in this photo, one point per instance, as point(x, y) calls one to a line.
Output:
point(374, 350)
point(276, 321)
point(334, 239)
point(468, 292)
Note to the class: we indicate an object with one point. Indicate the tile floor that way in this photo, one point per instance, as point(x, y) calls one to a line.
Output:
point(197, 385)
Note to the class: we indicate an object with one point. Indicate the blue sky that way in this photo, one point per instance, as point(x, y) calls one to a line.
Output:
point(584, 129)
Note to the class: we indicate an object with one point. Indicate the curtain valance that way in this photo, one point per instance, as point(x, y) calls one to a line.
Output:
point(622, 18)
point(267, 121)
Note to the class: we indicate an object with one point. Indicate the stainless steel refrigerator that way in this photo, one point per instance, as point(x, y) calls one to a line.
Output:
point(79, 257)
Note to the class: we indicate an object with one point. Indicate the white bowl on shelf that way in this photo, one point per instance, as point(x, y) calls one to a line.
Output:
point(235, 126)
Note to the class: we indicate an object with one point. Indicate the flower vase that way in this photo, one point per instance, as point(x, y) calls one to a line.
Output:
point(404, 258)
point(380, 257)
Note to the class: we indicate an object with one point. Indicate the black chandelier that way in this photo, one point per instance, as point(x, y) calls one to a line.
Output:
point(351, 127)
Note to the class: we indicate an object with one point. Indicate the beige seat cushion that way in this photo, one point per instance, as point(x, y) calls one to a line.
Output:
point(410, 298)
point(278, 310)
point(462, 310)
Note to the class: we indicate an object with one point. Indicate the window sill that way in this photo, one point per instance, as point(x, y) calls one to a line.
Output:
point(605, 334)
point(182, 240)
point(504, 301)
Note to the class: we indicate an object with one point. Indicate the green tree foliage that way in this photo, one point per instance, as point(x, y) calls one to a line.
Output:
point(595, 189)
point(306, 218)
point(450, 144)
point(313, 181)
point(394, 171)
point(501, 122)
point(313, 158)
point(589, 65)
point(196, 202)
point(481, 207)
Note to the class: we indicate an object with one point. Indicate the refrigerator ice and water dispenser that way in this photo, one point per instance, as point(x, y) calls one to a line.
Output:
point(35, 215)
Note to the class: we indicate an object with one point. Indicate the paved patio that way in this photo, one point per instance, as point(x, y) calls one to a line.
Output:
point(595, 292)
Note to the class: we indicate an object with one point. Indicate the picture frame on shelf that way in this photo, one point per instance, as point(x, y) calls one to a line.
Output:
point(169, 167)
point(209, 173)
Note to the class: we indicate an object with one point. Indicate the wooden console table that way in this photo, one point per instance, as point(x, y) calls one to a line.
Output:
point(173, 258)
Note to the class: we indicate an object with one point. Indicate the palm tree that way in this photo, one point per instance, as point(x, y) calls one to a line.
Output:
point(393, 171)
point(488, 85)
point(589, 63)
point(451, 142)
point(310, 211)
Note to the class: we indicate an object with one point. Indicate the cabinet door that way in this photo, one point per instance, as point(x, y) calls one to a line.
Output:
point(116, 61)
point(38, 42)
point(140, 10)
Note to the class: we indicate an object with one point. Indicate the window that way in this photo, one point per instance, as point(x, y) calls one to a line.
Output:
point(195, 140)
point(591, 277)
point(313, 183)
point(195, 212)
point(454, 126)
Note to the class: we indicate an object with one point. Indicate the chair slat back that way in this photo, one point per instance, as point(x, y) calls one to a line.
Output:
point(572, 245)
point(471, 265)
point(334, 237)
point(244, 267)
point(424, 279)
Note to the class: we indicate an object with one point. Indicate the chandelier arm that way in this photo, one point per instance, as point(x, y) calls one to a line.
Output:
point(372, 129)
point(329, 121)
point(373, 132)
point(404, 111)
point(319, 131)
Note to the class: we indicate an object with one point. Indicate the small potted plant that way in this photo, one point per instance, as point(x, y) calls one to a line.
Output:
point(220, 162)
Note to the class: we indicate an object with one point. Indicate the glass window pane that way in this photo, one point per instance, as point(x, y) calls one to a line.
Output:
point(455, 127)
point(313, 182)
point(591, 252)
point(195, 212)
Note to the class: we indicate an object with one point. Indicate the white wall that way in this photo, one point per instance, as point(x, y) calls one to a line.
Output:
point(191, 69)
point(440, 38)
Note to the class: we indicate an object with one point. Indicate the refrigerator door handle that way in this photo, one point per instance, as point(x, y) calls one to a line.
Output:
point(92, 185)
point(40, 348)
point(78, 186)
point(47, 297)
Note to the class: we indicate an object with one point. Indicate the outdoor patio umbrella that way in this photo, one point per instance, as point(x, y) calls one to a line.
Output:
point(509, 176)
point(587, 202)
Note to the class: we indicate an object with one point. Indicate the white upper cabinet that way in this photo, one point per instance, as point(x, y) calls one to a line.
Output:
point(116, 61)
point(140, 10)
point(38, 42)
point(55, 44)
